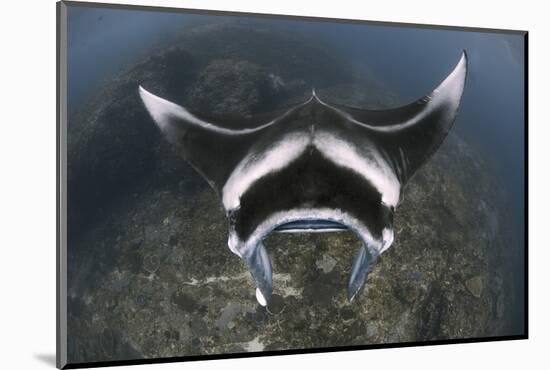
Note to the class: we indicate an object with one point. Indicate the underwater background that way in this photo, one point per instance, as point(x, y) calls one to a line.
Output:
point(149, 270)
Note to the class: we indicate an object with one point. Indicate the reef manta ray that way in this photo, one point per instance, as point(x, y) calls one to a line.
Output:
point(316, 167)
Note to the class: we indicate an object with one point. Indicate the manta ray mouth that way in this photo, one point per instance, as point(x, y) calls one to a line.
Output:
point(310, 226)
point(307, 220)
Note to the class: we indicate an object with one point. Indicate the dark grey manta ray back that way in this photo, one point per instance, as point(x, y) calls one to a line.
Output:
point(316, 167)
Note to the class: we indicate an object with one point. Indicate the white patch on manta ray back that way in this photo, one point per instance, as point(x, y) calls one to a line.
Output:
point(256, 165)
point(371, 166)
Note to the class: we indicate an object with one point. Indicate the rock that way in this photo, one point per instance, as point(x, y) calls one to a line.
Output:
point(228, 314)
point(475, 286)
point(255, 345)
point(184, 301)
point(198, 327)
point(151, 263)
point(326, 263)
point(277, 305)
point(322, 290)
point(232, 86)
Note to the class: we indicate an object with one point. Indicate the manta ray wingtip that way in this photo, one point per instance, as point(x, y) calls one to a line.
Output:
point(142, 91)
point(461, 69)
point(150, 100)
point(464, 61)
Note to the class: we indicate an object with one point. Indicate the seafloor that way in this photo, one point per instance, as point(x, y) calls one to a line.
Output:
point(150, 274)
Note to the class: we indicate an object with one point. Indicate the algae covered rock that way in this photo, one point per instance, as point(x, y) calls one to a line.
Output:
point(475, 286)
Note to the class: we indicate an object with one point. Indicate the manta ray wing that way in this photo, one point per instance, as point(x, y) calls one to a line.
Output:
point(213, 149)
point(412, 133)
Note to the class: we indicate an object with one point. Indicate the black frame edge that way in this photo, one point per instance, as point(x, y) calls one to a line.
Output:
point(526, 180)
point(61, 297)
point(304, 351)
point(57, 213)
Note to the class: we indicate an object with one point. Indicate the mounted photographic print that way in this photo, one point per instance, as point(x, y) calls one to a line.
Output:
point(235, 184)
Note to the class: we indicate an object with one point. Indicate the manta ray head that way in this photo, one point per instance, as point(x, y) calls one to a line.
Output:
point(314, 167)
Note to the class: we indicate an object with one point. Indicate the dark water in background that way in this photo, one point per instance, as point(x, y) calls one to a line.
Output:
point(409, 61)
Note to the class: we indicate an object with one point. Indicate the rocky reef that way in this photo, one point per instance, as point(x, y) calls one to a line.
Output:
point(150, 274)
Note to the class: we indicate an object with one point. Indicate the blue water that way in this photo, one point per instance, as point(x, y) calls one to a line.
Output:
point(101, 42)
point(410, 61)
